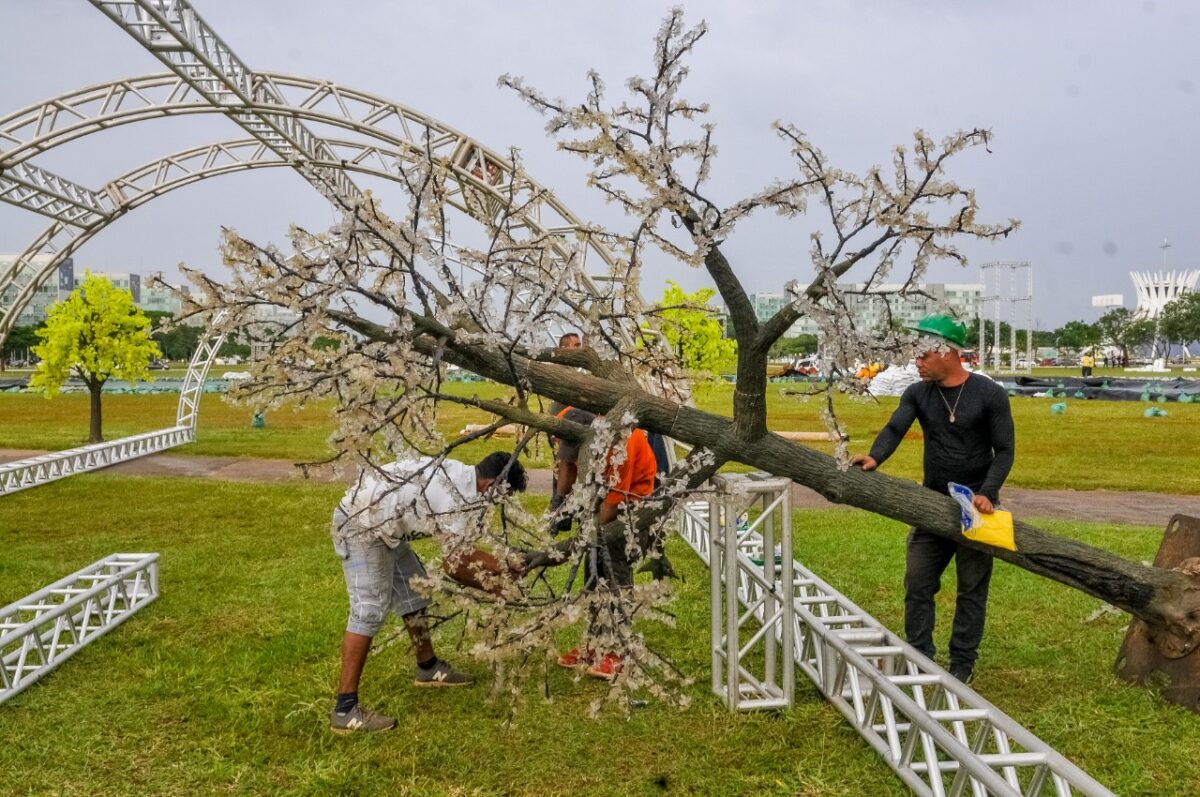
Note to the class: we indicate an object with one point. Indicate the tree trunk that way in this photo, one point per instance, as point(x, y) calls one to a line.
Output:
point(97, 436)
point(1167, 600)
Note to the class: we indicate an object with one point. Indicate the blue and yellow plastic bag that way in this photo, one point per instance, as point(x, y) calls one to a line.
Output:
point(995, 529)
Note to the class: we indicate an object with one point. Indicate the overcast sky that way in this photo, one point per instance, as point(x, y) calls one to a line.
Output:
point(1095, 107)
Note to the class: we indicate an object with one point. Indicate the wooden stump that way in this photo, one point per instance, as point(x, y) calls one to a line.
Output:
point(1141, 659)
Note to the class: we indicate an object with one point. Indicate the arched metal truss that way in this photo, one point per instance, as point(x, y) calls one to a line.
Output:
point(480, 177)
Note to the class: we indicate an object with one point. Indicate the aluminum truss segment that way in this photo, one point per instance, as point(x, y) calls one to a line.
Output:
point(42, 630)
point(29, 187)
point(184, 42)
point(752, 662)
point(49, 123)
point(193, 381)
point(34, 472)
point(53, 240)
point(939, 736)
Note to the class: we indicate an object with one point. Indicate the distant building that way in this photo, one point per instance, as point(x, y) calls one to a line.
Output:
point(1155, 289)
point(51, 291)
point(124, 280)
point(870, 308)
point(160, 297)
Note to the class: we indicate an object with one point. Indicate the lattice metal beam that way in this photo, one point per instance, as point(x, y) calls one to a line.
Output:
point(181, 39)
point(939, 736)
point(161, 176)
point(193, 381)
point(34, 472)
point(752, 663)
point(41, 631)
point(29, 187)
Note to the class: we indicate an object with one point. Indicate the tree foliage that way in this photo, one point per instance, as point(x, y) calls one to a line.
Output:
point(18, 343)
point(694, 331)
point(176, 341)
point(1077, 335)
point(1180, 319)
point(402, 312)
point(95, 334)
point(795, 345)
point(1125, 330)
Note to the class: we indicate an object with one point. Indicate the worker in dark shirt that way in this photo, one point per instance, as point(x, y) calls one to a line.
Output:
point(968, 430)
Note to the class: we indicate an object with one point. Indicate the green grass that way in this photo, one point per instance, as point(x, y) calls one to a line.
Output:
point(223, 685)
point(1095, 445)
point(34, 422)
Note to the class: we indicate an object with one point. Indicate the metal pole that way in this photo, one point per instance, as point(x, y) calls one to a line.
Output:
point(732, 641)
point(771, 598)
point(716, 571)
point(786, 585)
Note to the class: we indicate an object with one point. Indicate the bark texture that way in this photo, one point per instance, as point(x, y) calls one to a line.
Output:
point(1167, 600)
point(96, 426)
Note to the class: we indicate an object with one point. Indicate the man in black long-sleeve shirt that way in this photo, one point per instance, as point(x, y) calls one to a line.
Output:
point(969, 439)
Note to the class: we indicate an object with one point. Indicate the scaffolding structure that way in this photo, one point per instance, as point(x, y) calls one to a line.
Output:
point(42, 630)
point(1007, 298)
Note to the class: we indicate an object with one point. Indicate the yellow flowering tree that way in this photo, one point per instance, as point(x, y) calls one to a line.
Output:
point(694, 330)
point(96, 334)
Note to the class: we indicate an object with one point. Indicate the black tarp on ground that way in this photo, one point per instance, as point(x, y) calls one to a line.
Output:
point(1104, 388)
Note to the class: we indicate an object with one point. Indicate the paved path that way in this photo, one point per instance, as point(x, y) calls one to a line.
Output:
point(1146, 509)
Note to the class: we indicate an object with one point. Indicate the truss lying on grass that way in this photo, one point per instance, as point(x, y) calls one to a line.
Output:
point(41, 631)
point(940, 736)
point(36, 471)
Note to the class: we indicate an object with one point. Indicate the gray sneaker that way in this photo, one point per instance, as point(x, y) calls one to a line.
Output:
point(442, 674)
point(359, 720)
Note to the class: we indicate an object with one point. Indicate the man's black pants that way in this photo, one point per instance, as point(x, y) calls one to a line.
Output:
point(928, 557)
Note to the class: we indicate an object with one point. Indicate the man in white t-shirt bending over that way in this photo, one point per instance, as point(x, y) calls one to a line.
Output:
point(372, 527)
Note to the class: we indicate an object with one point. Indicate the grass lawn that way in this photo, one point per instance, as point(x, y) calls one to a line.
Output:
point(223, 685)
point(1095, 445)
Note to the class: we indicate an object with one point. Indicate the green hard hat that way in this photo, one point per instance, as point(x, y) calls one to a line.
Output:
point(944, 327)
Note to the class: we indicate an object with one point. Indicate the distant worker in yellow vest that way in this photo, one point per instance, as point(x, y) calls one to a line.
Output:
point(1087, 362)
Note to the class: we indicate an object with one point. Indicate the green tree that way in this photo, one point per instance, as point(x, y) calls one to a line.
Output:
point(1042, 337)
point(694, 330)
point(1180, 319)
point(790, 347)
point(1122, 328)
point(97, 333)
point(17, 344)
point(1077, 335)
point(178, 343)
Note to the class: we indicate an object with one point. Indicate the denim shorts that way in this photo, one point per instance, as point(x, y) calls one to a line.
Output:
point(377, 578)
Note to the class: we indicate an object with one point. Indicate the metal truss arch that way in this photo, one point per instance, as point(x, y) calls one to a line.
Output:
point(177, 170)
point(481, 176)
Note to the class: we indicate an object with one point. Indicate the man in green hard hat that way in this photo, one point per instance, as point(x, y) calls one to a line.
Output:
point(968, 430)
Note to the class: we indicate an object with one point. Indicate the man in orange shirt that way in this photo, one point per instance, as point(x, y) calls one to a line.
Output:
point(634, 481)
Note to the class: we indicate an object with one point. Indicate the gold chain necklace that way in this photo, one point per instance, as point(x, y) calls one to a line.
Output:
point(953, 409)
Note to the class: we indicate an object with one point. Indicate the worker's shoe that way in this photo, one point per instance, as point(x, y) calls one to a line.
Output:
point(441, 674)
point(577, 658)
point(359, 720)
point(965, 673)
point(607, 668)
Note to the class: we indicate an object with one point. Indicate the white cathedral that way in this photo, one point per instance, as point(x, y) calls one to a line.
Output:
point(1155, 289)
